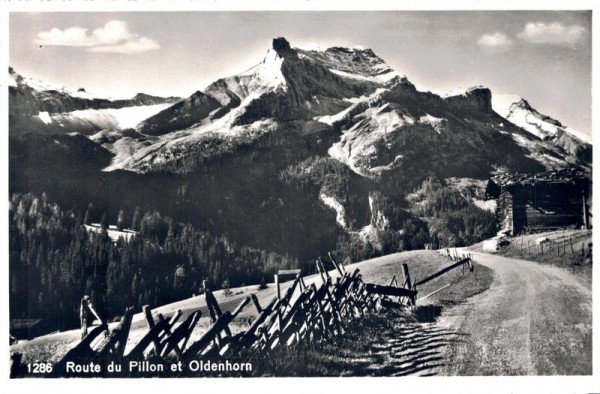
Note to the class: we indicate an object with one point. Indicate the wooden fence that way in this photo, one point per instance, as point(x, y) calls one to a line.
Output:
point(558, 248)
point(303, 314)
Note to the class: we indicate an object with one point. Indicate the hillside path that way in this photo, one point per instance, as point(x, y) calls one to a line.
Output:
point(534, 320)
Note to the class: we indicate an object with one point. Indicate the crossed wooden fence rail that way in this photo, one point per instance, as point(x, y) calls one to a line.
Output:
point(317, 314)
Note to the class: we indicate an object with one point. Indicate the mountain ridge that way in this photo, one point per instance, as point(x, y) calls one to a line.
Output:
point(301, 149)
point(35, 106)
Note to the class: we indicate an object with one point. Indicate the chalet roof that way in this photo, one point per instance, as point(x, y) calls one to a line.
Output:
point(558, 176)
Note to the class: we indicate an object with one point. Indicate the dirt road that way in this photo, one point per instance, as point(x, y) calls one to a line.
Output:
point(534, 320)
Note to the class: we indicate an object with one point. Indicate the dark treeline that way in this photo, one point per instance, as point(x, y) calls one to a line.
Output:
point(437, 215)
point(393, 229)
point(335, 179)
point(54, 261)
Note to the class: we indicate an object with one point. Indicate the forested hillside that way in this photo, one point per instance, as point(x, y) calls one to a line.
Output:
point(54, 261)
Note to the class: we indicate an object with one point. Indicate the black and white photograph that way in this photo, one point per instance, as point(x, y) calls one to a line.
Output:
point(299, 193)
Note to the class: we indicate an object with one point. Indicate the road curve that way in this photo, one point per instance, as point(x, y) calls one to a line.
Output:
point(534, 320)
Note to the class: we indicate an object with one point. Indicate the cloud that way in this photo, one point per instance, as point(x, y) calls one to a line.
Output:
point(71, 37)
point(495, 42)
point(112, 33)
point(143, 44)
point(554, 33)
point(113, 37)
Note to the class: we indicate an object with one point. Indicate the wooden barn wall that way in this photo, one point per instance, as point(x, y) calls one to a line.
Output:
point(547, 206)
point(504, 210)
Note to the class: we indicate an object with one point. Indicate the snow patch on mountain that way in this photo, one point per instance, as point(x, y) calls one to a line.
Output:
point(42, 86)
point(331, 119)
point(537, 152)
point(169, 146)
point(45, 117)
point(378, 222)
point(110, 118)
point(519, 112)
point(356, 63)
point(462, 91)
point(436, 123)
point(359, 141)
point(334, 204)
point(312, 46)
point(268, 75)
point(502, 102)
point(383, 78)
point(384, 119)
point(225, 124)
point(12, 80)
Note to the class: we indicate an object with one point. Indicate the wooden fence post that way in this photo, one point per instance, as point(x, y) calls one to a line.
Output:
point(393, 280)
point(324, 269)
point(213, 305)
point(406, 277)
point(337, 266)
point(521, 243)
point(277, 286)
point(320, 271)
point(571, 244)
point(302, 282)
point(256, 303)
point(407, 284)
point(150, 321)
point(278, 311)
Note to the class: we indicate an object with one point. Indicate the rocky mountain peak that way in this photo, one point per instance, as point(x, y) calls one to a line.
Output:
point(382, 116)
point(282, 47)
point(523, 104)
point(477, 98)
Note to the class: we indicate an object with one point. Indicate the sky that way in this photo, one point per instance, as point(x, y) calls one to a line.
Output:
point(543, 56)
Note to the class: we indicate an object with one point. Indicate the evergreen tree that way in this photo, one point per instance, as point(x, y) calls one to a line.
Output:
point(104, 221)
point(53, 261)
point(137, 218)
point(121, 220)
point(87, 219)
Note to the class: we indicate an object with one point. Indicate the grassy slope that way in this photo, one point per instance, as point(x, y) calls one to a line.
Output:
point(557, 252)
point(373, 330)
point(392, 343)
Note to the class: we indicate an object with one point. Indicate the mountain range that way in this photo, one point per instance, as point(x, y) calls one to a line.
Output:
point(301, 149)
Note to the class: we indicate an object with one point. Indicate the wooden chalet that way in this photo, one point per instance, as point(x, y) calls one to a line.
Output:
point(541, 201)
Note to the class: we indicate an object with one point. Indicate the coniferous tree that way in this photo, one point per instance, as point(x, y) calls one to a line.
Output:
point(104, 221)
point(54, 261)
point(137, 218)
point(121, 220)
